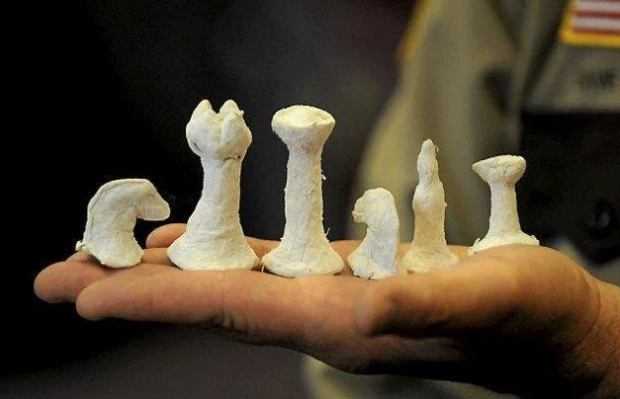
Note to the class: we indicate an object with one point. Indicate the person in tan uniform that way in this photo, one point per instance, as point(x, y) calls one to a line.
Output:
point(521, 320)
point(469, 72)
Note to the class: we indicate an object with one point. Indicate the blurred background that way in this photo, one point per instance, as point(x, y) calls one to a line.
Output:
point(107, 89)
point(103, 90)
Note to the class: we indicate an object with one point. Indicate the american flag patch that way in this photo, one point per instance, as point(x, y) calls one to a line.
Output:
point(592, 23)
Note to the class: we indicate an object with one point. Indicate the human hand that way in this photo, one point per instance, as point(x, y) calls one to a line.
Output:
point(517, 319)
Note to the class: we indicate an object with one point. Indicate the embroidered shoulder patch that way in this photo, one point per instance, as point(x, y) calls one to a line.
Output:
point(594, 23)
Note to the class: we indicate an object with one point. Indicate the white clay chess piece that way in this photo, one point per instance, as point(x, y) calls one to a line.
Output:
point(112, 215)
point(429, 250)
point(214, 239)
point(375, 258)
point(502, 173)
point(304, 248)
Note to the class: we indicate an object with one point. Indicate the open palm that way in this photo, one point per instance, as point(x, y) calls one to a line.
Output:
point(517, 319)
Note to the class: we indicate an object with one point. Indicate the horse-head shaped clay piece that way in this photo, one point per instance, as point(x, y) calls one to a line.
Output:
point(375, 258)
point(111, 218)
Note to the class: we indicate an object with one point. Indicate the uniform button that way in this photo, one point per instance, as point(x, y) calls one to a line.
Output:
point(601, 220)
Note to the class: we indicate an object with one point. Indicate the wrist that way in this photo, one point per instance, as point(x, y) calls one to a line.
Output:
point(593, 364)
point(605, 343)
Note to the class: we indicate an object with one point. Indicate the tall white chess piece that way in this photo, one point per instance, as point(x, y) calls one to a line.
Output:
point(429, 250)
point(304, 248)
point(214, 239)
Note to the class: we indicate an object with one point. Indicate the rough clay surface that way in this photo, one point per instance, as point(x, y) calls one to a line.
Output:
point(214, 239)
point(502, 173)
point(304, 249)
point(429, 250)
point(112, 215)
point(375, 258)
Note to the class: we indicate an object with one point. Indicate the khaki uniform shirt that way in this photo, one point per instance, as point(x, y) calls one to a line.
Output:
point(469, 71)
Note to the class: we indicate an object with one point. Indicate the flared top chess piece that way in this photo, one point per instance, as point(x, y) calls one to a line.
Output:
point(304, 248)
point(502, 173)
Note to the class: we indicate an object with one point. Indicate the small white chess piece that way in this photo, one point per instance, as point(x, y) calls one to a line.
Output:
point(304, 248)
point(112, 215)
point(502, 173)
point(214, 239)
point(375, 258)
point(429, 250)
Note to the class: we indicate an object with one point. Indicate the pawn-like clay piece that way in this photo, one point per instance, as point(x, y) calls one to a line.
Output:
point(304, 248)
point(214, 239)
point(112, 215)
point(375, 258)
point(502, 173)
point(429, 250)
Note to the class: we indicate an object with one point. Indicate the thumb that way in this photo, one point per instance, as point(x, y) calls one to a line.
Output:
point(479, 292)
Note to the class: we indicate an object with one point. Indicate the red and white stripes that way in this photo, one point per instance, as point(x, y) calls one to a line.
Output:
point(596, 17)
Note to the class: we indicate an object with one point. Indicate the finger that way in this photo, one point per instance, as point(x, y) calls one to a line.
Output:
point(345, 247)
point(235, 300)
point(460, 251)
point(151, 255)
point(261, 308)
point(261, 247)
point(481, 292)
point(160, 256)
point(164, 236)
point(81, 257)
point(156, 256)
point(62, 282)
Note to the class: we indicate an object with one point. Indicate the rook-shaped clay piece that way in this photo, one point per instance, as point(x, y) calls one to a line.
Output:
point(112, 215)
point(304, 248)
point(502, 173)
point(214, 238)
point(429, 250)
point(375, 258)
